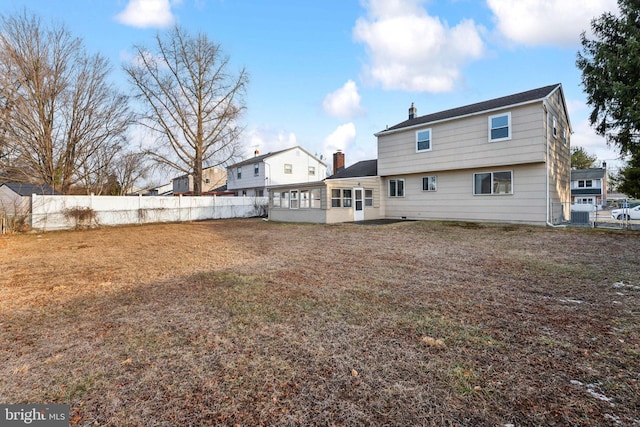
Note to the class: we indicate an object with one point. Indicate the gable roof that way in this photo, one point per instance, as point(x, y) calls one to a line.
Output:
point(261, 158)
point(592, 173)
point(29, 189)
point(362, 168)
point(467, 110)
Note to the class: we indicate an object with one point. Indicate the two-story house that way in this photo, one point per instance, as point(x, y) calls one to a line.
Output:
point(213, 178)
point(251, 177)
point(589, 186)
point(502, 160)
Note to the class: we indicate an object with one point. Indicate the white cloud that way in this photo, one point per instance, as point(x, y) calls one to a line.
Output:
point(413, 51)
point(265, 140)
point(147, 13)
point(340, 139)
point(547, 22)
point(344, 103)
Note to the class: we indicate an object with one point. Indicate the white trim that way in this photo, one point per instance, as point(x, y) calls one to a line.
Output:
point(430, 140)
point(509, 127)
point(473, 183)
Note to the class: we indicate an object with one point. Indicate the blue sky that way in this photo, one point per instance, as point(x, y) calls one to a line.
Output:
point(328, 74)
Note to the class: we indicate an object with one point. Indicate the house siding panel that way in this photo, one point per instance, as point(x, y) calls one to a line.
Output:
point(454, 199)
point(463, 143)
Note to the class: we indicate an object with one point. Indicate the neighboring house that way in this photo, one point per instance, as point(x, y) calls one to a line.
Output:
point(251, 177)
point(502, 160)
point(16, 202)
point(212, 179)
point(589, 186)
point(351, 194)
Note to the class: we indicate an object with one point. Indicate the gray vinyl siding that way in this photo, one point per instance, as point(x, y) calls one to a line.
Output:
point(464, 143)
point(454, 198)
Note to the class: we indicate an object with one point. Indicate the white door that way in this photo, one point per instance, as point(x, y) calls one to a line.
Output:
point(358, 204)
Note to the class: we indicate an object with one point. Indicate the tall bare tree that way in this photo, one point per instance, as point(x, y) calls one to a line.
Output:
point(59, 108)
point(192, 101)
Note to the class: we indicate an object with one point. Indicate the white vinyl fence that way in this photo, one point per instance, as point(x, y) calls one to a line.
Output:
point(68, 212)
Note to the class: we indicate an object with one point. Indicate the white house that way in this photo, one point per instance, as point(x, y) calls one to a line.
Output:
point(502, 160)
point(589, 186)
point(251, 177)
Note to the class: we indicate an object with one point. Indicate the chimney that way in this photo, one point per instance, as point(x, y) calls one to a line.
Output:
point(338, 161)
point(413, 112)
point(255, 153)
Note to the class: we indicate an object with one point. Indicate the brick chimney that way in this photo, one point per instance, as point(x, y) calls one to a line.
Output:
point(413, 112)
point(338, 161)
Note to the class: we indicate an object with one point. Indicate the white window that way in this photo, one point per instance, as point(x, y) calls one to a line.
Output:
point(288, 168)
point(304, 199)
point(293, 201)
point(256, 169)
point(500, 127)
point(346, 198)
point(396, 188)
point(336, 198)
point(284, 199)
point(316, 193)
point(585, 183)
point(275, 199)
point(585, 201)
point(555, 127)
point(565, 134)
point(312, 170)
point(492, 183)
point(429, 183)
point(423, 140)
point(368, 197)
point(239, 173)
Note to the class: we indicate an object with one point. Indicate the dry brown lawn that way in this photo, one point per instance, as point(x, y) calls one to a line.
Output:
point(245, 322)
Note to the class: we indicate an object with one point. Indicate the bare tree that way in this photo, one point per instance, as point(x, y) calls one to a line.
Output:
point(59, 108)
point(192, 102)
point(129, 168)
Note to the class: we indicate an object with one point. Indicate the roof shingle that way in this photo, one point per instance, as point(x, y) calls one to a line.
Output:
point(492, 104)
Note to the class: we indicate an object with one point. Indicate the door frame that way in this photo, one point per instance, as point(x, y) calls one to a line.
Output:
point(358, 214)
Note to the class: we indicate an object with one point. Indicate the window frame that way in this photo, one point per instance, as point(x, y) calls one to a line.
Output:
point(294, 201)
point(239, 173)
point(368, 198)
point(430, 140)
point(554, 128)
point(336, 201)
point(312, 171)
point(509, 127)
point(305, 200)
point(284, 199)
point(316, 198)
point(396, 181)
point(275, 199)
point(493, 183)
point(347, 198)
point(432, 180)
point(256, 169)
point(288, 168)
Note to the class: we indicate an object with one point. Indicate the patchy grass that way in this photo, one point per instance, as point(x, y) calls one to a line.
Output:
point(250, 323)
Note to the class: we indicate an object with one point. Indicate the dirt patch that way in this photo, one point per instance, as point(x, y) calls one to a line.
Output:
point(246, 322)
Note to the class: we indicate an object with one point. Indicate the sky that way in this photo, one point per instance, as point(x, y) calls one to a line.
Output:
point(327, 75)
